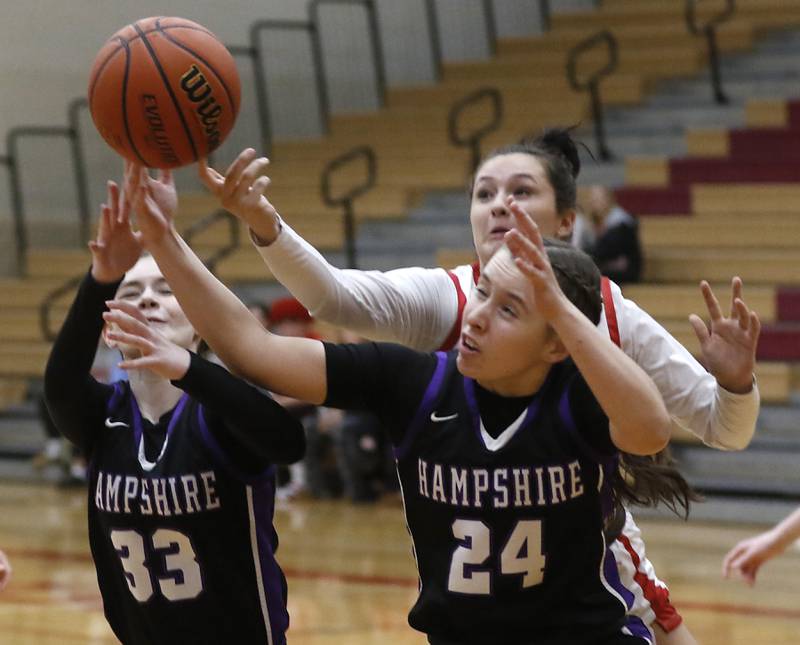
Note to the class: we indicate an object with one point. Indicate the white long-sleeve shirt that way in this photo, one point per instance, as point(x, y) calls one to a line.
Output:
point(421, 308)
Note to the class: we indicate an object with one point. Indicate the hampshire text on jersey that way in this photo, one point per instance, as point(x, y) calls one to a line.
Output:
point(545, 485)
point(163, 496)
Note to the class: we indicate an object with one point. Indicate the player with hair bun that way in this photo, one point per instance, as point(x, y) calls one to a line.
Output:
point(423, 308)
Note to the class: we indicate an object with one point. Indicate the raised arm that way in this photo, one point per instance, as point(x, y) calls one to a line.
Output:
point(638, 419)
point(75, 400)
point(415, 307)
point(291, 366)
point(720, 407)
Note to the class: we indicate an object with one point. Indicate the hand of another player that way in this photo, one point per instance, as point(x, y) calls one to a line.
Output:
point(728, 345)
point(241, 191)
point(155, 202)
point(527, 246)
point(746, 558)
point(116, 248)
point(5, 571)
point(157, 354)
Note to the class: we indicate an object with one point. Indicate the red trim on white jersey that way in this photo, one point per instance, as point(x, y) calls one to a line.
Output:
point(658, 596)
point(464, 278)
point(611, 313)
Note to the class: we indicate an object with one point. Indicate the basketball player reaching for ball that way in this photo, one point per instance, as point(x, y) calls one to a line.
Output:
point(506, 451)
point(181, 462)
point(422, 308)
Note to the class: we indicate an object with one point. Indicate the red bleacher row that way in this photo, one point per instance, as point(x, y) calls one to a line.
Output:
point(756, 155)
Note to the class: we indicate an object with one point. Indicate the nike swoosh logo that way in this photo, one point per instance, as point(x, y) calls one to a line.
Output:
point(438, 419)
point(115, 424)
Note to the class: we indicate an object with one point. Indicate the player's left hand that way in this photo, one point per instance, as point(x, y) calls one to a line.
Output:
point(5, 571)
point(157, 354)
point(527, 246)
point(728, 344)
point(155, 201)
point(746, 558)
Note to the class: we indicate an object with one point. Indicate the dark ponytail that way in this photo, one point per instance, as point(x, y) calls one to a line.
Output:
point(641, 480)
point(653, 480)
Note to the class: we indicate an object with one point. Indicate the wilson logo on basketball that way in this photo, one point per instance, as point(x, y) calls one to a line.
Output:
point(198, 91)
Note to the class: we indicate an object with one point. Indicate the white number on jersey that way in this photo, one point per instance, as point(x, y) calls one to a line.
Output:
point(130, 548)
point(522, 554)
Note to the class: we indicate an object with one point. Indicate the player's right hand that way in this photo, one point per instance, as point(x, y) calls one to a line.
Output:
point(241, 191)
point(154, 200)
point(746, 558)
point(116, 248)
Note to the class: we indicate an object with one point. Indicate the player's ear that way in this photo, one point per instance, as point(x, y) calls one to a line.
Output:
point(554, 350)
point(111, 344)
point(566, 224)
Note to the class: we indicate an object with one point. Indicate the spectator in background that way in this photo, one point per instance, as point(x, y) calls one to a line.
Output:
point(318, 473)
point(616, 250)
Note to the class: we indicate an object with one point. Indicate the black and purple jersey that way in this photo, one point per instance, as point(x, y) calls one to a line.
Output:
point(184, 545)
point(506, 521)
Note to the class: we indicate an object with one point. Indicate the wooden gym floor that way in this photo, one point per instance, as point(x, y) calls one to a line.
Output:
point(352, 578)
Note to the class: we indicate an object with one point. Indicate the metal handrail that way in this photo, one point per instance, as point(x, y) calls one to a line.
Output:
point(260, 73)
point(433, 34)
point(709, 29)
point(17, 202)
point(346, 200)
point(375, 40)
point(79, 163)
point(491, 26)
point(544, 15)
point(45, 308)
point(207, 222)
point(473, 139)
point(49, 301)
point(592, 83)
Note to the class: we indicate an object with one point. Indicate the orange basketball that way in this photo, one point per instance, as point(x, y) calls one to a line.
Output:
point(164, 92)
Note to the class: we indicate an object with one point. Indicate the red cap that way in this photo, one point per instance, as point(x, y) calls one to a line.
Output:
point(288, 309)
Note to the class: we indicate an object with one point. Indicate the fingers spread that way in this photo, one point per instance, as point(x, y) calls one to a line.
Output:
point(711, 301)
point(736, 292)
point(700, 329)
point(234, 172)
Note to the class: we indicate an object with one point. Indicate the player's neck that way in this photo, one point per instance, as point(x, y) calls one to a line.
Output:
point(154, 394)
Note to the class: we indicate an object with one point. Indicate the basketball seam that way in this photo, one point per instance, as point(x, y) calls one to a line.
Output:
point(175, 102)
point(125, 100)
point(136, 37)
point(186, 48)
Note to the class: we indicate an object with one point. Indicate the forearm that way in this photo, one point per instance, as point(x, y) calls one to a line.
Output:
point(253, 420)
point(68, 386)
point(627, 395)
point(415, 307)
point(787, 531)
point(290, 366)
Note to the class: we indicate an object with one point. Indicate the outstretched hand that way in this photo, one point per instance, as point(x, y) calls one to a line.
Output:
point(527, 246)
point(157, 354)
point(241, 191)
point(728, 344)
point(116, 248)
point(746, 558)
point(154, 200)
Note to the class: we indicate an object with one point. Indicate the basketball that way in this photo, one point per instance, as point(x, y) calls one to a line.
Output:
point(164, 92)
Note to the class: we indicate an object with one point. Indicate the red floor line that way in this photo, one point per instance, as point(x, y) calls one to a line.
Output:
point(395, 581)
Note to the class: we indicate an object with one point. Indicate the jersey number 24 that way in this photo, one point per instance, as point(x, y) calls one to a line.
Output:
point(522, 554)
